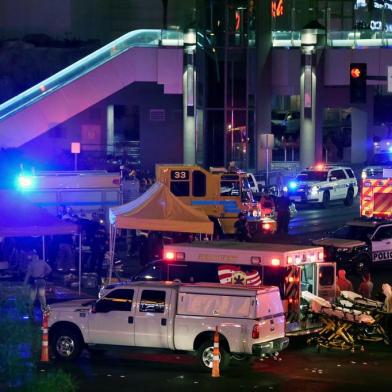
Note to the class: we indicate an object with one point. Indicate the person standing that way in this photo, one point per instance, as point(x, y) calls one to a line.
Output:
point(366, 286)
point(37, 271)
point(241, 228)
point(283, 214)
point(342, 283)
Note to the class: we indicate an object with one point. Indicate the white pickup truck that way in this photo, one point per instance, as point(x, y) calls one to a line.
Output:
point(173, 316)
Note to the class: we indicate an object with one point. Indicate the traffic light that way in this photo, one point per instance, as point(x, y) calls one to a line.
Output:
point(358, 74)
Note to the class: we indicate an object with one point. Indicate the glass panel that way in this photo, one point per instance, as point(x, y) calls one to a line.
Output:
point(199, 183)
point(152, 301)
point(117, 300)
point(326, 276)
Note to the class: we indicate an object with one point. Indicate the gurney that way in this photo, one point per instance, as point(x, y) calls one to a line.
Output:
point(372, 307)
point(343, 326)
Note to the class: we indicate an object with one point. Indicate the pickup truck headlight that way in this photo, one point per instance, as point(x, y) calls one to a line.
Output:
point(314, 189)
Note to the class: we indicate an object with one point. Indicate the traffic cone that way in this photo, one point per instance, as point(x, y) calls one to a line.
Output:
point(45, 340)
point(215, 354)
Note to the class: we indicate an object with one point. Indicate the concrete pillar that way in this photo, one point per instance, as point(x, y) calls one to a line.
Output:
point(189, 93)
point(308, 103)
point(359, 139)
point(263, 78)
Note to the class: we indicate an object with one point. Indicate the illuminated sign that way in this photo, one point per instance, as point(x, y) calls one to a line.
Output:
point(373, 15)
point(277, 8)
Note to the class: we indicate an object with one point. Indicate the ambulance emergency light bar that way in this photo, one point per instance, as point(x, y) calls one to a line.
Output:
point(173, 256)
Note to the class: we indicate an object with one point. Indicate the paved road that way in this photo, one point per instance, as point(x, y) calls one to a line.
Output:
point(299, 368)
point(312, 220)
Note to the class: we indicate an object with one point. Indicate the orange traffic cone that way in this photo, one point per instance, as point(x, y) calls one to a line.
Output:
point(45, 341)
point(215, 353)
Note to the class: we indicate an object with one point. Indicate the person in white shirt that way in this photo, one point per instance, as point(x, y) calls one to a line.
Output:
point(37, 271)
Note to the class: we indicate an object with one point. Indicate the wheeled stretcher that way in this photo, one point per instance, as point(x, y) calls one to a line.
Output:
point(344, 326)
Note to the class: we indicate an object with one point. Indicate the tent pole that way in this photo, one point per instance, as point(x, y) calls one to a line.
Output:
point(80, 262)
point(113, 248)
point(43, 248)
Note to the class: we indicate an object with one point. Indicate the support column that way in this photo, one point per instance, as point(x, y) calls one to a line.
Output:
point(189, 83)
point(359, 134)
point(263, 80)
point(308, 101)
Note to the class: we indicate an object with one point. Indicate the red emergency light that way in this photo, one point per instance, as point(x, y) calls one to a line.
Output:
point(355, 72)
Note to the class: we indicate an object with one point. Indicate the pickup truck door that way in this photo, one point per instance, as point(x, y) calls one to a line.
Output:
point(382, 244)
point(153, 318)
point(111, 320)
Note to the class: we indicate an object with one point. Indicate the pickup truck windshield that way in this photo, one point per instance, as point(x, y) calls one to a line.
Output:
point(351, 232)
point(312, 176)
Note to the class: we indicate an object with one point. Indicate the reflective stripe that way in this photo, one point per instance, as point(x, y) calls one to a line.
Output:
point(44, 330)
point(216, 345)
point(215, 357)
point(44, 343)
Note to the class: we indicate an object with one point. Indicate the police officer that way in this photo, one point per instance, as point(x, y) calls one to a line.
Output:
point(283, 214)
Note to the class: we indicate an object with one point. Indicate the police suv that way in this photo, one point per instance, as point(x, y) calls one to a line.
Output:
point(359, 244)
point(324, 183)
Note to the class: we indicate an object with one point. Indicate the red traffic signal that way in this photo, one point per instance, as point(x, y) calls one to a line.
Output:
point(358, 76)
point(355, 72)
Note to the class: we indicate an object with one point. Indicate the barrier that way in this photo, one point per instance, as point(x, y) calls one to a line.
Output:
point(216, 355)
point(45, 333)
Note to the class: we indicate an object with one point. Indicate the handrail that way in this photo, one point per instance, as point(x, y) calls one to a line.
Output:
point(137, 38)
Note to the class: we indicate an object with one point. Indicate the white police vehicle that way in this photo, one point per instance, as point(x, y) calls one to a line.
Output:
point(359, 244)
point(323, 183)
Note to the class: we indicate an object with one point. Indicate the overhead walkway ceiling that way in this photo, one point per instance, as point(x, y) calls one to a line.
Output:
point(141, 55)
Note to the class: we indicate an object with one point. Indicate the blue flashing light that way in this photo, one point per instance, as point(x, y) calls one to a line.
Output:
point(293, 185)
point(25, 182)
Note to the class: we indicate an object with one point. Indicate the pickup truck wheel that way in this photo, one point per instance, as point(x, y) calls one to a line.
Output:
point(326, 198)
point(66, 344)
point(205, 356)
point(349, 200)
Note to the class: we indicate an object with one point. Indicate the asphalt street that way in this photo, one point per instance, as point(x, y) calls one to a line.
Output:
point(298, 368)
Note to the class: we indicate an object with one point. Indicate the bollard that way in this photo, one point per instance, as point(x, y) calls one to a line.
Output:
point(215, 354)
point(45, 340)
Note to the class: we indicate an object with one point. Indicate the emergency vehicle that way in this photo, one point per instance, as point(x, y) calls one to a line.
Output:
point(359, 244)
point(382, 158)
point(86, 192)
point(376, 197)
point(222, 195)
point(292, 268)
point(323, 183)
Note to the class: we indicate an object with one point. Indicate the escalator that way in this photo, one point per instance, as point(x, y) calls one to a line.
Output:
point(140, 55)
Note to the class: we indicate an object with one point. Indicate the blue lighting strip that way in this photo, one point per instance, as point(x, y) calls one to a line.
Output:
point(137, 38)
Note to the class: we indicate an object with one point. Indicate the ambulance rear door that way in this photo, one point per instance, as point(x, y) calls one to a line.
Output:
point(326, 280)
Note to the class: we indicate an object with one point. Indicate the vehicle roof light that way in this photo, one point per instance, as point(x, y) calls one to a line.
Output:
point(275, 262)
point(180, 256)
point(25, 182)
point(169, 255)
point(321, 255)
point(289, 260)
point(319, 166)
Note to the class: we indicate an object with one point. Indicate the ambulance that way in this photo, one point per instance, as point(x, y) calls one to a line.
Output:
point(376, 196)
point(222, 195)
point(292, 268)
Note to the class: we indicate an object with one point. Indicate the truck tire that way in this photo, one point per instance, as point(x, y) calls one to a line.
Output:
point(66, 344)
point(326, 199)
point(349, 200)
point(205, 357)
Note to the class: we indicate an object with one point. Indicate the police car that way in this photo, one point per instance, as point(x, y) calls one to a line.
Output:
point(359, 244)
point(323, 183)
